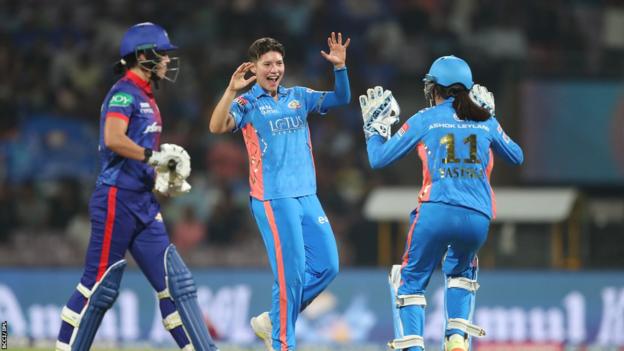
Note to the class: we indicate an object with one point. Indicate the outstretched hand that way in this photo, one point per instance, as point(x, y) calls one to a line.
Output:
point(337, 50)
point(238, 81)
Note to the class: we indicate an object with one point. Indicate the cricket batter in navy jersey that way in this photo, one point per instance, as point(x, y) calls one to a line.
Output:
point(123, 209)
point(300, 243)
point(454, 139)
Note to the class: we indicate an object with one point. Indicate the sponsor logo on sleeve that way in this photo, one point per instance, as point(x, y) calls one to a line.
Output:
point(403, 129)
point(241, 101)
point(120, 100)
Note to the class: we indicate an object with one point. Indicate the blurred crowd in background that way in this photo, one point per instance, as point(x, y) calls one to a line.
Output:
point(56, 60)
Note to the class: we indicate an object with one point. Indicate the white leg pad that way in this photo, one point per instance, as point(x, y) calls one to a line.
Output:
point(163, 294)
point(463, 283)
point(465, 326)
point(188, 347)
point(407, 300)
point(83, 290)
point(407, 341)
point(71, 317)
point(61, 346)
point(172, 321)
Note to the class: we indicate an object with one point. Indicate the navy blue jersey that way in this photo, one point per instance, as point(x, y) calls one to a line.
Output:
point(456, 155)
point(131, 100)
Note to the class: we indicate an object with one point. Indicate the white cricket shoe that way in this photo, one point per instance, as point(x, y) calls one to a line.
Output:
point(263, 328)
point(456, 342)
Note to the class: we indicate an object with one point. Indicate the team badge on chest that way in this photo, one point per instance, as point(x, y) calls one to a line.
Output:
point(294, 104)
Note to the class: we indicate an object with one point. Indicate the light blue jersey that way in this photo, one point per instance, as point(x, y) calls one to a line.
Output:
point(456, 155)
point(277, 136)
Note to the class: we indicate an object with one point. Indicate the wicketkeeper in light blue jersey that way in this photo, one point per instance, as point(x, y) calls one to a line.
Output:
point(454, 139)
point(300, 243)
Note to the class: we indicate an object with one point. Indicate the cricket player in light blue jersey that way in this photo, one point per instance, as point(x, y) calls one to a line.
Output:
point(299, 240)
point(454, 139)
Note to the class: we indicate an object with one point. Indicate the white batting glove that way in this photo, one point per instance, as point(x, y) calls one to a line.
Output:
point(482, 97)
point(169, 184)
point(379, 111)
point(173, 158)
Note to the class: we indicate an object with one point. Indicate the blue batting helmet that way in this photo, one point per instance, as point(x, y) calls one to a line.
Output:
point(449, 70)
point(145, 35)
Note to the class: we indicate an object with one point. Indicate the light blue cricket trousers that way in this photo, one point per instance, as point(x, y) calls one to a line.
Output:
point(437, 229)
point(302, 252)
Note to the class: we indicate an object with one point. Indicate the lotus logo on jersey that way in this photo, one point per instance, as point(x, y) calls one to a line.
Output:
point(153, 128)
point(286, 125)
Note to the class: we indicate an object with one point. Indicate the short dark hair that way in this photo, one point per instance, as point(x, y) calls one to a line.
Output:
point(262, 46)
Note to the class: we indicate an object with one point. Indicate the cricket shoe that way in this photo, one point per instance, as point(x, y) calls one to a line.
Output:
point(261, 325)
point(456, 342)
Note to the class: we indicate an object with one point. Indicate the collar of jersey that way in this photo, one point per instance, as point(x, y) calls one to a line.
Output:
point(139, 82)
point(257, 91)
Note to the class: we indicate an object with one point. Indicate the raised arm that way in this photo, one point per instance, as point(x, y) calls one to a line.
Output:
point(221, 121)
point(338, 57)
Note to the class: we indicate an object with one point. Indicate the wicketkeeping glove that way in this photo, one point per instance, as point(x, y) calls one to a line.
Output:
point(379, 111)
point(482, 97)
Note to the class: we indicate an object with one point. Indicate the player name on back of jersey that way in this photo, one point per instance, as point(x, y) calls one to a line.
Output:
point(461, 172)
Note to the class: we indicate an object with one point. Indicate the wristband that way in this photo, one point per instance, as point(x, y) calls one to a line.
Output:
point(147, 153)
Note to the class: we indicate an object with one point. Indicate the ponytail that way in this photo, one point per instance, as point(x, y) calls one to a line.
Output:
point(463, 105)
point(124, 64)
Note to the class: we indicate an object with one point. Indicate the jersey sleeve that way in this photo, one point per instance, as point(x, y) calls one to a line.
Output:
point(238, 111)
point(321, 101)
point(504, 146)
point(382, 153)
point(313, 100)
point(120, 105)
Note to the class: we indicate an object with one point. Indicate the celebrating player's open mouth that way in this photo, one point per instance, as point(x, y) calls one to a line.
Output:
point(273, 81)
point(269, 69)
